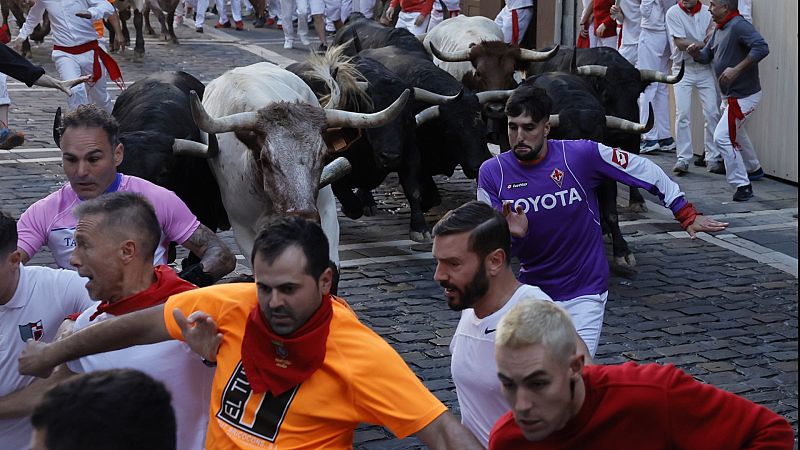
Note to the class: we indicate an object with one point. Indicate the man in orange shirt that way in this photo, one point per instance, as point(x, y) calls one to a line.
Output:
point(295, 367)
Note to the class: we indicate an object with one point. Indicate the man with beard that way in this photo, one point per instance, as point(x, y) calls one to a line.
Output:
point(472, 247)
point(551, 185)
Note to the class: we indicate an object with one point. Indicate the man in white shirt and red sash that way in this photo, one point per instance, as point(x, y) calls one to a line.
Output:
point(76, 50)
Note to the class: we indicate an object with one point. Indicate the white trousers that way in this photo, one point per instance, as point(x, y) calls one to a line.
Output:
point(654, 55)
point(437, 17)
point(236, 11)
point(406, 20)
point(700, 77)
point(610, 42)
point(365, 7)
point(744, 159)
point(199, 6)
point(288, 8)
point(333, 12)
point(587, 315)
point(73, 66)
point(505, 21)
point(4, 98)
point(630, 52)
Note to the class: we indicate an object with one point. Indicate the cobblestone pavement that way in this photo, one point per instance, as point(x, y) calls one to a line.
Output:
point(722, 307)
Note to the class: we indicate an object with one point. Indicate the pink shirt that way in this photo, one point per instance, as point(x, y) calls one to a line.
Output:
point(50, 222)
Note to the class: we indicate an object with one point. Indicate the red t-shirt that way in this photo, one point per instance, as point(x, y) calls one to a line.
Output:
point(602, 14)
point(654, 407)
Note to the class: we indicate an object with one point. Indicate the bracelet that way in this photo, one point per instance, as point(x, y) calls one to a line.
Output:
point(209, 363)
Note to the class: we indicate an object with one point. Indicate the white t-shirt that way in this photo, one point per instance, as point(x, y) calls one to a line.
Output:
point(181, 370)
point(682, 25)
point(43, 299)
point(473, 366)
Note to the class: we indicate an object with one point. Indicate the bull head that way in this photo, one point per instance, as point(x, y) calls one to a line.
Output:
point(246, 121)
point(525, 55)
point(483, 97)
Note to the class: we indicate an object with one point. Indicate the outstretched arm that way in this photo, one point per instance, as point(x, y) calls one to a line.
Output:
point(138, 328)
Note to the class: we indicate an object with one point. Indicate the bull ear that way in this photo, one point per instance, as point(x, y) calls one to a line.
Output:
point(57, 127)
point(573, 63)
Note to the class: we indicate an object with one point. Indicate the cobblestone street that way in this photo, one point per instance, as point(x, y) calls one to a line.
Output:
point(721, 307)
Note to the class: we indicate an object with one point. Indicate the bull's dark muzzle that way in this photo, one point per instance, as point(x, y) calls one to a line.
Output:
point(494, 110)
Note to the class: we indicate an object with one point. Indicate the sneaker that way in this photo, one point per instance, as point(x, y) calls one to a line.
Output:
point(681, 167)
point(699, 161)
point(288, 43)
point(199, 29)
point(304, 40)
point(222, 25)
point(743, 193)
point(10, 139)
point(648, 146)
point(260, 22)
point(716, 167)
point(270, 22)
point(239, 25)
point(279, 26)
point(667, 145)
point(756, 174)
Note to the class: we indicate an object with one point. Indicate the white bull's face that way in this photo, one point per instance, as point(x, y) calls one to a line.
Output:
point(288, 151)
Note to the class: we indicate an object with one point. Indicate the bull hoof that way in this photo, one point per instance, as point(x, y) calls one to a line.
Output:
point(623, 266)
point(138, 56)
point(174, 40)
point(371, 210)
point(634, 208)
point(150, 31)
point(423, 237)
point(353, 213)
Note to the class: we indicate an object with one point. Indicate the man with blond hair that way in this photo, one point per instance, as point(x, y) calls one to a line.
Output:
point(558, 403)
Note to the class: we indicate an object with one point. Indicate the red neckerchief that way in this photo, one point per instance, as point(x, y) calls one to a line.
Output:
point(695, 9)
point(114, 72)
point(727, 18)
point(276, 363)
point(167, 283)
point(734, 113)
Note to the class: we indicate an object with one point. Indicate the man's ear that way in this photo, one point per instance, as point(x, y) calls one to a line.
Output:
point(325, 281)
point(14, 257)
point(496, 261)
point(576, 364)
point(119, 154)
point(129, 250)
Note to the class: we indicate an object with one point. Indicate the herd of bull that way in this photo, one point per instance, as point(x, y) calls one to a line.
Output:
point(261, 141)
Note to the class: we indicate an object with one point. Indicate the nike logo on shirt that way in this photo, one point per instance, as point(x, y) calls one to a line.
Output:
point(487, 330)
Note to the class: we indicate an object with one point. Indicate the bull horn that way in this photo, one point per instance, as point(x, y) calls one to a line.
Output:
point(427, 114)
point(629, 126)
point(532, 55)
point(654, 75)
point(356, 41)
point(461, 56)
point(554, 120)
point(233, 122)
point(573, 62)
point(362, 85)
point(493, 96)
point(345, 119)
point(334, 171)
point(185, 147)
point(592, 70)
point(57, 127)
point(434, 98)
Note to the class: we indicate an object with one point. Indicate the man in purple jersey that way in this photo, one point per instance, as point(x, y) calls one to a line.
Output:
point(551, 186)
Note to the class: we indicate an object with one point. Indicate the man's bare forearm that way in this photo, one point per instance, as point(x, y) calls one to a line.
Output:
point(21, 403)
point(446, 433)
point(216, 257)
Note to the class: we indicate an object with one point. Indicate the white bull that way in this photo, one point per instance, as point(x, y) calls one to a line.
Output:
point(472, 50)
point(266, 148)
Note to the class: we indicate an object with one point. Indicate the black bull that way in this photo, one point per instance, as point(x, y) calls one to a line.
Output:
point(581, 116)
point(617, 84)
point(152, 113)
